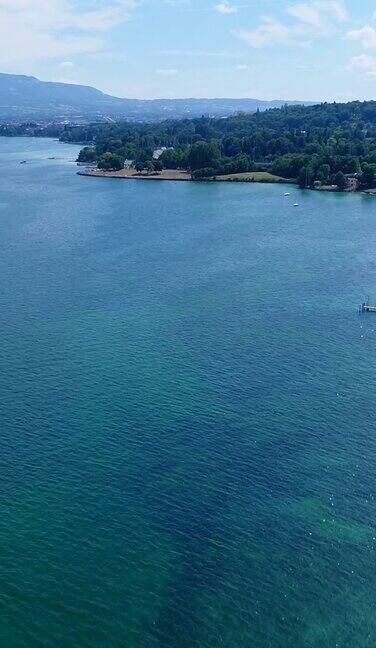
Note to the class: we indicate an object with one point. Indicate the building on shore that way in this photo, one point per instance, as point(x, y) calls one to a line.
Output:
point(158, 152)
point(352, 182)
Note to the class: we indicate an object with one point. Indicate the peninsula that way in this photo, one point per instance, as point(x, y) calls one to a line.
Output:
point(130, 173)
point(326, 146)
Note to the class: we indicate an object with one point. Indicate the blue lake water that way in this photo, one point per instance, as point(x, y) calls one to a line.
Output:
point(188, 442)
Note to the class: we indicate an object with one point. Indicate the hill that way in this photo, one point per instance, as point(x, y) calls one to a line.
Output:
point(25, 98)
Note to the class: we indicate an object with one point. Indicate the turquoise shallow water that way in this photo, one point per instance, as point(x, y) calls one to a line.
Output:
point(188, 448)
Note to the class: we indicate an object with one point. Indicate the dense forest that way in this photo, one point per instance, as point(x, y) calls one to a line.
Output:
point(314, 144)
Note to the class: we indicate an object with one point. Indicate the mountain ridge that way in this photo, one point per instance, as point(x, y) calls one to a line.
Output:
point(27, 97)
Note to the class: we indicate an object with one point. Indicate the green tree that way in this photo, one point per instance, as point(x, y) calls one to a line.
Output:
point(174, 159)
point(369, 175)
point(200, 174)
point(142, 158)
point(242, 163)
point(289, 166)
point(139, 166)
point(149, 167)
point(340, 180)
point(204, 155)
point(303, 177)
point(110, 162)
point(306, 177)
point(323, 173)
point(87, 154)
point(158, 166)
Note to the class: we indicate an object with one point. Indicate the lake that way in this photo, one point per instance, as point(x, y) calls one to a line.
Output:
point(188, 446)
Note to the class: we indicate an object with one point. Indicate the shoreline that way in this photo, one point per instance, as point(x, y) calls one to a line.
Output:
point(184, 176)
point(126, 174)
point(172, 175)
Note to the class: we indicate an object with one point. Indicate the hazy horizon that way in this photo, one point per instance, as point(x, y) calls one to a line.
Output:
point(185, 98)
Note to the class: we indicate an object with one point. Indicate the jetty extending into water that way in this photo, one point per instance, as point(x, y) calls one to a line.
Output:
point(366, 307)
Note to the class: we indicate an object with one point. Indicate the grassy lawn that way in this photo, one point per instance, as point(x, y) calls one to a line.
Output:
point(253, 176)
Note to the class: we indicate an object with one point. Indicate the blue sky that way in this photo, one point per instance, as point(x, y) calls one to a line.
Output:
point(297, 49)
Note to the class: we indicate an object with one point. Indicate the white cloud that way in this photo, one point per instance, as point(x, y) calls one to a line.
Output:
point(167, 71)
point(308, 14)
point(365, 36)
point(334, 9)
point(176, 3)
point(198, 53)
point(64, 70)
point(338, 10)
point(364, 64)
point(66, 65)
point(312, 20)
point(320, 14)
point(269, 32)
point(225, 7)
point(31, 30)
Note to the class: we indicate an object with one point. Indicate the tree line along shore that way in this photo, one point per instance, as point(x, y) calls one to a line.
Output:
point(324, 146)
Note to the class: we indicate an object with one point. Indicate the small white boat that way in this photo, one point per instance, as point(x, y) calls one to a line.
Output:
point(287, 193)
point(296, 204)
